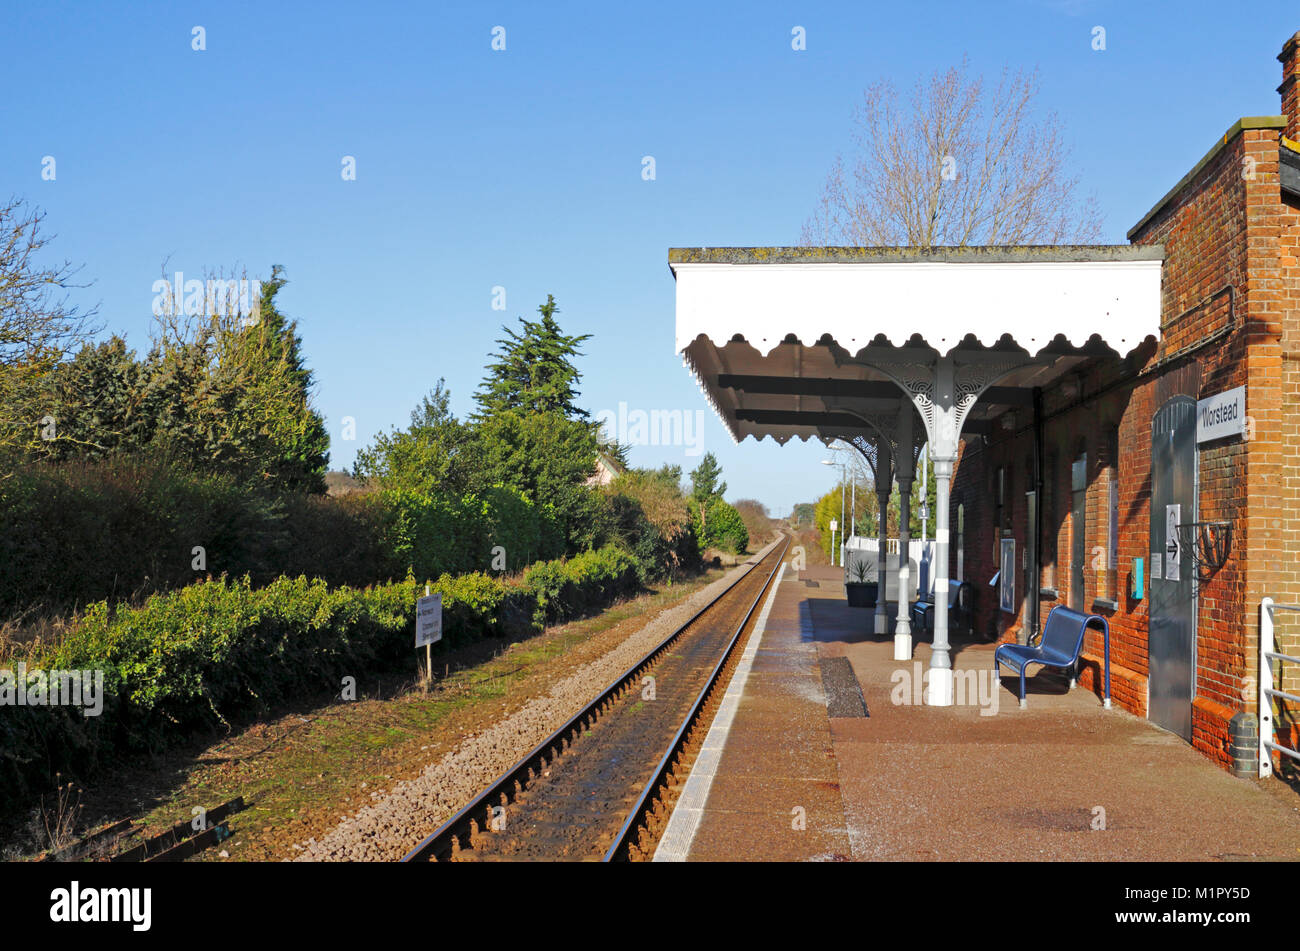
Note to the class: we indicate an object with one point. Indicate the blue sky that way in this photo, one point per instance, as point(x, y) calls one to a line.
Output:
point(522, 169)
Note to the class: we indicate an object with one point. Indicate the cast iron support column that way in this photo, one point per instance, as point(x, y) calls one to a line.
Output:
point(943, 453)
point(903, 472)
point(883, 479)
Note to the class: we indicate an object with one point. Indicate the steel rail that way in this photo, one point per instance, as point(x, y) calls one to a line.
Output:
point(619, 850)
point(439, 843)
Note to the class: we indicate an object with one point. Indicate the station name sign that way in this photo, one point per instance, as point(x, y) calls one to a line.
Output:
point(1223, 414)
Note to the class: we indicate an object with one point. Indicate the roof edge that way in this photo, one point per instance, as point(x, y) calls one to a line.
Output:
point(1241, 125)
point(996, 254)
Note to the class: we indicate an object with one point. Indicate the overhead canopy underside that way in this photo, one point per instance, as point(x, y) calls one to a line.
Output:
point(803, 342)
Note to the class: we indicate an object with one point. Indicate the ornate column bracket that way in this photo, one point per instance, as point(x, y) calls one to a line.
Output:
point(971, 376)
point(944, 389)
point(885, 422)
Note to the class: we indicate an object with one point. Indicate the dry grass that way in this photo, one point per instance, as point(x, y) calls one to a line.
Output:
point(31, 633)
point(60, 815)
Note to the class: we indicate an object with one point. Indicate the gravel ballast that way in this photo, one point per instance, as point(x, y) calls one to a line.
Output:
point(397, 820)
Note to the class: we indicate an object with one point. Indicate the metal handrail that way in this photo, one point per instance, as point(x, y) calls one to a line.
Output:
point(1267, 655)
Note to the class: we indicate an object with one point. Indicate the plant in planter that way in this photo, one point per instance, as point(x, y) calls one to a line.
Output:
point(860, 591)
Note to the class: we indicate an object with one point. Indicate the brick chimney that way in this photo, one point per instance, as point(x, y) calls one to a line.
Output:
point(1290, 88)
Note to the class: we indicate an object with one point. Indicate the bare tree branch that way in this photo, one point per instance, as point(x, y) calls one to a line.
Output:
point(957, 166)
point(38, 326)
point(36, 321)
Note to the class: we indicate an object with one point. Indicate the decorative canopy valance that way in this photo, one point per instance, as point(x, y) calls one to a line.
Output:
point(839, 316)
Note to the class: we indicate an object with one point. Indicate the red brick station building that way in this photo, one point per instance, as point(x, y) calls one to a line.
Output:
point(1117, 427)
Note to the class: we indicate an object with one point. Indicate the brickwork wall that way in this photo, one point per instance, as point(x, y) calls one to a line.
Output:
point(1230, 317)
point(1290, 88)
point(1206, 295)
point(1276, 364)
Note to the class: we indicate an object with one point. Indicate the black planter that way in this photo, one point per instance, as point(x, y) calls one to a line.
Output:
point(861, 594)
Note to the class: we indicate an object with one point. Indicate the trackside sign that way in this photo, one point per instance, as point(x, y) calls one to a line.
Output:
point(428, 620)
point(1223, 414)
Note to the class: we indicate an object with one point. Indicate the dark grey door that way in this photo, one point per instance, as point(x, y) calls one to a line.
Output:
point(1172, 611)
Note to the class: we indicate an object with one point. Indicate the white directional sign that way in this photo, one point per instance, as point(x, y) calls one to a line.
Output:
point(428, 620)
point(1173, 548)
point(1223, 414)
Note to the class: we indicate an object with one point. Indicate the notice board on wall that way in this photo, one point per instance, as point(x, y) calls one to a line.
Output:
point(1007, 586)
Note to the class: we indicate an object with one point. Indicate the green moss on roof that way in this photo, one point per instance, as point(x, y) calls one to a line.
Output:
point(996, 254)
point(1234, 130)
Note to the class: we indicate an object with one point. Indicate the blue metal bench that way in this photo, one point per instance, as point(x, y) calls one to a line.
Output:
point(1059, 646)
point(960, 609)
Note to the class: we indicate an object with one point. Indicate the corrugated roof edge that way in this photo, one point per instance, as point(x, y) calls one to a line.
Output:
point(1242, 124)
point(1045, 253)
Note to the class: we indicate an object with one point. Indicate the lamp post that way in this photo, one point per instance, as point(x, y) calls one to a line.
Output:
point(843, 479)
point(853, 504)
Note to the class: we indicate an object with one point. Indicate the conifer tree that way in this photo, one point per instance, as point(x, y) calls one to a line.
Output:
point(705, 486)
point(531, 433)
point(534, 370)
point(232, 393)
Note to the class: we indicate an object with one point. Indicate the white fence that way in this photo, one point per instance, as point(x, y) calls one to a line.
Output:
point(862, 549)
point(1267, 655)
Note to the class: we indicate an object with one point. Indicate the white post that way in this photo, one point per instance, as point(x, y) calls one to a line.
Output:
point(944, 453)
point(843, 532)
point(853, 507)
point(1265, 686)
point(903, 473)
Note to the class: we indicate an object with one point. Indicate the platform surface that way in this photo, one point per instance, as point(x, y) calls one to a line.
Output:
point(1064, 779)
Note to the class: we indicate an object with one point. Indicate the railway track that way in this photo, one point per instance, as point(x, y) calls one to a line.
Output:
point(601, 786)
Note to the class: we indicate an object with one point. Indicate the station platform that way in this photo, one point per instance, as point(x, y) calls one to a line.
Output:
point(792, 769)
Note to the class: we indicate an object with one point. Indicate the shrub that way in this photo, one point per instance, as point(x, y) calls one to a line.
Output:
point(86, 531)
point(471, 606)
point(723, 528)
point(599, 577)
point(758, 523)
point(424, 534)
point(546, 583)
point(651, 518)
point(192, 659)
point(221, 650)
point(433, 536)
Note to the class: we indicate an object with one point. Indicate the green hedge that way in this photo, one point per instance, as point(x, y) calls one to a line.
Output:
point(76, 533)
point(220, 651)
point(561, 589)
point(433, 536)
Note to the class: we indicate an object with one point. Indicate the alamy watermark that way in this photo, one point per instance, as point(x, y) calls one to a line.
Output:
point(216, 297)
point(980, 688)
point(53, 688)
point(656, 427)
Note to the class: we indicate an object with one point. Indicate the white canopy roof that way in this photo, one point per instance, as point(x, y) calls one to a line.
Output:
point(836, 317)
